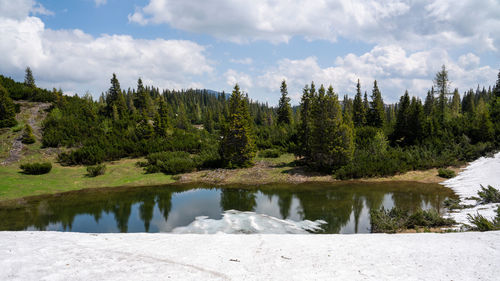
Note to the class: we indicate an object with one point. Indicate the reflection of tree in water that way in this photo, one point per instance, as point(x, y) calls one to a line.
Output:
point(146, 208)
point(284, 203)
point(64, 209)
point(334, 207)
point(164, 201)
point(237, 199)
point(357, 206)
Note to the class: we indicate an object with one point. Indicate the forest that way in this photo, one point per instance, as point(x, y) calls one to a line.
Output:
point(349, 136)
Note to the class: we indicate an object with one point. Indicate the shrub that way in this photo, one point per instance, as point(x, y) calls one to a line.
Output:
point(446, 173)
point(394, 220)
point(481, 223)
point(489, 195)
point(96, 170)
point(170, 162)
point(270, 153)
point(28, 137)
point(36, 168)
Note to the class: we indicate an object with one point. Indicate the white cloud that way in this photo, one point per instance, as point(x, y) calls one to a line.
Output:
point(393, 68)
point(20, 9)
point(78, 62)
point(100, 2)
point(416, 24)
point(246, 61)
point(243, 80)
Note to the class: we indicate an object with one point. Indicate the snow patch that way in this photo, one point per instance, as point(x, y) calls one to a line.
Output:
point(484, 171)
point(236, 222)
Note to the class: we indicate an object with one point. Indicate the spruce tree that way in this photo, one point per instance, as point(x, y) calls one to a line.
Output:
point(359, 110)
point(7, 109)
point(29, 80)
point(429, 103)
point(376, 114)
point(142, 100)
point(402, 128)
point(284, 108)
point(238, 144)
point(455, 104)
point(332, 143)
point(304, 135)
point(161, 119)
point(116, 105)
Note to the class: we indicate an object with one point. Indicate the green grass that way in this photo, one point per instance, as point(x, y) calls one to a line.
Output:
point(14, 184)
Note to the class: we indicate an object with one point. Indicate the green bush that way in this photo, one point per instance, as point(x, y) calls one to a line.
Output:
point(28, 137)
point(394, 220)
point(170, 162)
point(270, 153)
point(36, 168)
point(481, 223)
point(96, 170)
point(489, 195)
point(446, 173)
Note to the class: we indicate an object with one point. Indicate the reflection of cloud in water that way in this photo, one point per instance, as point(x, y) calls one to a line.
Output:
point(186, 206)
point(236, 222)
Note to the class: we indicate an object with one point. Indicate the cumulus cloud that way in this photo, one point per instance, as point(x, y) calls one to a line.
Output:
point(100, 2)
point(20, 9)
point(395, 70)
point(246, 61)
point(243, 80)
point(415, 24)
point(77, 61)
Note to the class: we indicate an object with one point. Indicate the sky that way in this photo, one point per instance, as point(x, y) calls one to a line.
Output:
point(77, 45)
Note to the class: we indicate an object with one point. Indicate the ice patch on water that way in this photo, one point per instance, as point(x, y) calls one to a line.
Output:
point(484, 171)
point(236, 222)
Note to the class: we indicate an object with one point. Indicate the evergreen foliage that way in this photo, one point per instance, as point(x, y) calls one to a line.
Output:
point(376, 114)
point(28, 137)
point(7, 109)
point(238, 144)
point(96, 170)
point(359, 110)
point(29, 80)
point(36, 168)
point(284, 108)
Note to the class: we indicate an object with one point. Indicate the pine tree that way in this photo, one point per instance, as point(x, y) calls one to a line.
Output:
point(442, 83)
point(429, 103)
point(416, 121)
point(29, 80)
point(376, 116)
point(347, 110)
point(28, 137)
point(402, 128)
point(238, 144)
point(7, 109)
point(284, 108)
point(116, 105)
point(305, 122)
point(332, 143)
point(142, 100)
point(161, 119)
point(359, 110)
point(455, 104)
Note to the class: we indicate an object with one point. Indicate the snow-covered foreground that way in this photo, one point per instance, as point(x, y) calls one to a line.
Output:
point(484, 171)
point(78, 256)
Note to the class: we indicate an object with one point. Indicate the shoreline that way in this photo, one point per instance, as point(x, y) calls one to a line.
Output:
point(265, 172)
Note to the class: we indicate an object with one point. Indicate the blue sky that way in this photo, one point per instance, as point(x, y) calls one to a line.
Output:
point(76, 45)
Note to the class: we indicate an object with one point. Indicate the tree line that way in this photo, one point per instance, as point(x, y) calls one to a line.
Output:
point(349, 137)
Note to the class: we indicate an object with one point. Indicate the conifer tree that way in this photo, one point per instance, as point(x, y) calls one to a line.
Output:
point(7, 109)
point(332, 142)
point(238, 144)
point(416, 121)
point(377, 110)
point(284, 108)
point(429, 103)
point(29, 80)
point(28, 137)
point(305, 122)
point(455, 104)
point(116, 105)
point(359, 110)
point(161, 119)
point(347, 110)
point(142, 100)
point(402, 128)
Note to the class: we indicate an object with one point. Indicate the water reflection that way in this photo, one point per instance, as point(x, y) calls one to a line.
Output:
point(345, 207)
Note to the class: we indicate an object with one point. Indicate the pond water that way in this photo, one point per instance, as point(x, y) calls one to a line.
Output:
point(344, 207)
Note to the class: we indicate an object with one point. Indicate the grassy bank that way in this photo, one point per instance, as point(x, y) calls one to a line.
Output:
point(125, 172)
point(14, 184)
